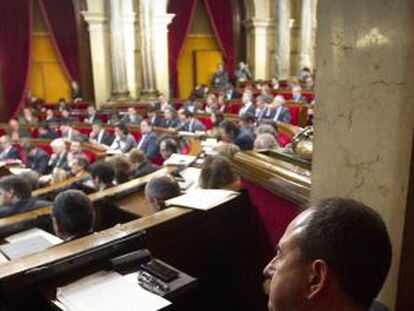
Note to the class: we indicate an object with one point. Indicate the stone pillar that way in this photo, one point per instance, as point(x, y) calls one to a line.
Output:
point(118, 63)
point(307, 39)
point(100, 53)
point(149, 91)
point(364, 121)
point(283, 39)
point(259, 30)
point(160, 40)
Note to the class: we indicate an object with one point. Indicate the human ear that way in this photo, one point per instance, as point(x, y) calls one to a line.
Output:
point(318, 278)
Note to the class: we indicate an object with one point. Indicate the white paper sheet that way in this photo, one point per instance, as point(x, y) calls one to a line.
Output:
point(179, 159)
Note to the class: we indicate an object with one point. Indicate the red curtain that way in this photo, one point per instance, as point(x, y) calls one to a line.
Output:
point(221, 17)
point(15, 50)
point(179, 29)
point(61, 23)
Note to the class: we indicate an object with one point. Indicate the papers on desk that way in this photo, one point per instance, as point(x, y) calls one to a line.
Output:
point(113, 152)
point(108, 291)
point(18, 170)
point(202, 199)
point(28, 242)
point(208, 146)
point(191, 175)
point(179, 159)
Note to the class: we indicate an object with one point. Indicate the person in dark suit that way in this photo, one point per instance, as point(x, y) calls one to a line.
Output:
point(230, 93)
point(46, 132)
point(76, 93)
point(132, 117)
point(248, 105)
point(220, 79)
point(153, 118)
point(37, 159)
point(148, 143)
point(170, 119)
point(123, 141)
point(8, 152)
point(59, 157)
point(73, 215)
point(243, 73)
point(15, 197)
point(92, 115)
point(192, 124)
point(168, 146)
point(160, 189)
point(230, 133)
point(70, 134)
point(66, 118)
point(99, 135)
point(277, 111)
point(15, 131)
point(103, 175)
point(140, 165)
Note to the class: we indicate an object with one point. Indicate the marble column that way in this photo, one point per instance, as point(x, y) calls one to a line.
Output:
point(307, 38)
point(98, 27)
point(149, 91)
point(364, 123)
point(283, 39)
point(259, 32)
point(120, 90)
point(161, 71)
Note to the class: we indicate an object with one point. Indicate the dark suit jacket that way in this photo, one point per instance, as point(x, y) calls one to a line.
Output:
point(145, 169)
point(195, 125)
point(244, 141)
point(174, 123)
point(22, 206)
point(149, 146)
point(283, 116)
point(106, 139)
point(60, 162)
point(13, 153)
point(157, 121)
point(222, 80)
point(251, 109)
point(39, 162)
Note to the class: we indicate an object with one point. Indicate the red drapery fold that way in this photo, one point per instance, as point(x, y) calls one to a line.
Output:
point(179, 29)
point(61, 23)
point(15, 50)
point(221, 17)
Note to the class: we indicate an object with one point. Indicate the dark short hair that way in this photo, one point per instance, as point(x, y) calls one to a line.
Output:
point(216, 173)
point(103, 170)
point(19, 185)
point(248, 117)
point(137, 156)
point(82, 160)
point(98, 122)
point(152, 108)
point(122, 127)
point(188, 113)
point(353, 239)
point(170, 144)
point(230, 127)
point(163, 188)
point(73, 212)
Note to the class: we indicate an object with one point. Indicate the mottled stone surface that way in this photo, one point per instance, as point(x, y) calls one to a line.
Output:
point(365, 115)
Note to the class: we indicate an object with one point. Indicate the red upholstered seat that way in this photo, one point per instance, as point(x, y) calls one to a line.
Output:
point(207, 122)
point(234, 107)
point(2, 131)
point(90, 155)
point(85, 130)
point(309, 96)
point(158, 160)
point(294, 113)
point(178, 105)
point(284, 139)
point(34, 132)
point(137, 134)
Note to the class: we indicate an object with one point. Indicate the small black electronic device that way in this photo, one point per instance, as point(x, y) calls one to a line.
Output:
point(160, 271)
point(130, 260)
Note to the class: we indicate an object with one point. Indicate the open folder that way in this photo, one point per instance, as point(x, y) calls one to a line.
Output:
point(108, 291)
point(202, 199)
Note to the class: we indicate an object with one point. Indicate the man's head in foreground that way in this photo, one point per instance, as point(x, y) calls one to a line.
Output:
point(333, 256)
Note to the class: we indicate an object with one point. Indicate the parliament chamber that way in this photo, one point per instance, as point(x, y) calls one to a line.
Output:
point(163, 155)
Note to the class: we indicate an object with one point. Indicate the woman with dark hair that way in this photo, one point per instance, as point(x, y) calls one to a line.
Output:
point(217, 173)
point(216, 118)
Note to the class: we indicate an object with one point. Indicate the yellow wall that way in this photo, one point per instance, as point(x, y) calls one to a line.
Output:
point(192, 71)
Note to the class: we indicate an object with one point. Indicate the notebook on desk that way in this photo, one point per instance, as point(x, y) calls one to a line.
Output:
point(28, 242)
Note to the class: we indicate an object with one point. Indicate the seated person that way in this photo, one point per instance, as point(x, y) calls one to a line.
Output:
point(275, 83)
point(227, 150)
point(231, 133)
point(216, 173)
point(148, 143)
point(230, 93)
point(243, 73)
point(154, 119)
point(73, 215)
point(99, 135)
point(28, 117)
point(50, 116)
point(37, 159)
point(322, 253)
point(62, 104)
point(66, 118)
point(163, 103)
point(192, 124)
point(211, 103)
point(216, 118)
point(200, 92)
point(132, 117)
point(297, 94)
point(122, 167)
point(140, 165)
point(266, 141)
point(222, 104)
point(170, 119)
point(265, 93)
point(76, 92)
point(248, 106)
point(265, 128)
point(59, 157)
point(79, 165)
point(69, 133)
point(192, 105)
point(159, 189)
point(277, 111)
point(46, 131)
point(124, 141)
point(75, 149)
point(114, 119)
point(248, 124)
point(262, 105)
point(15, 197)
point(103, 175)
point(32, 178)
point(8, 151)
point(15, 131)
point(220, 78)
point(168, 146)
point(92, 115)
